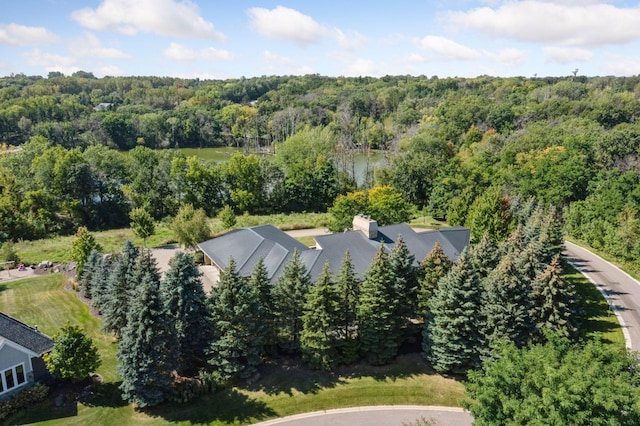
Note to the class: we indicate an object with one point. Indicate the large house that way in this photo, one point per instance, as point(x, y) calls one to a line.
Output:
point(276, 248)
point(21, 348)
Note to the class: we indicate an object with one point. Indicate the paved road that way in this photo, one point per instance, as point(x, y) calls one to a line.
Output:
point(376, 416)
point(620, 289)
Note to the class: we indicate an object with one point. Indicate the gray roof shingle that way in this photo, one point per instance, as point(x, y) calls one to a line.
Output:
point(25, 336)
point(247, 245)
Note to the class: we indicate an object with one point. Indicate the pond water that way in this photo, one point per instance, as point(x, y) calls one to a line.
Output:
point(220, 154)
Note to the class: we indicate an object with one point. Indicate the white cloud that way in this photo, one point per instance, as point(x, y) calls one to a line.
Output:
point(178, 52)
point(509, 57)
point(90, 46)
point(361, 67)
point(566, 55)
point(110, 70)
point(287, 24)
point(447, 49)
point(622, 66)
point(163, 17)
point(20, 35)
point(546, 22)
point(51, 62)
point(351, 41)
point(278, 62)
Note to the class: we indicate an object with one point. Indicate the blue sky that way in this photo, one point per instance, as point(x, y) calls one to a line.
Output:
point(216, 39)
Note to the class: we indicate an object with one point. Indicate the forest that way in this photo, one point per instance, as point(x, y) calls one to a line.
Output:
point(465, 150)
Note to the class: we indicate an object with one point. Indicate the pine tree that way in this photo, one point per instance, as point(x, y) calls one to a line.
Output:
point(238, 337)
point(349, 294)
point(319, 338)
point(515, 243)
point(259, 280)
point(148, 348)
point(551, 240)
point(435, 265)
point(290, 292)
point(90, 269)
point(122, 280)
point(379, 331)
point(401, 264)
point(553, 302)
point(506, 306)
point(533, 224)
point(185, 300)
point(452, 337)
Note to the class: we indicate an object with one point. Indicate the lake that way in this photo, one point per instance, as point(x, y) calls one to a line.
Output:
point(221, 154)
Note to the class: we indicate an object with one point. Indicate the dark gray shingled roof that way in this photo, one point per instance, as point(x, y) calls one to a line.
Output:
point(25, 336)
point(247, 245)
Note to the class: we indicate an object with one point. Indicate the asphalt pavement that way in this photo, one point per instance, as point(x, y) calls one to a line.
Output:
point(619, 288)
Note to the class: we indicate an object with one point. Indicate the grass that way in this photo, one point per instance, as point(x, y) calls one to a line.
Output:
point(56, 249)
point(285, 388)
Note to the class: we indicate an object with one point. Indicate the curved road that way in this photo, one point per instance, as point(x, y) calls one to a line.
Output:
point(385, 415)
point(619, 288)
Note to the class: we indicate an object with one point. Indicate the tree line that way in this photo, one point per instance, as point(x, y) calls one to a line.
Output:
point(570, 142)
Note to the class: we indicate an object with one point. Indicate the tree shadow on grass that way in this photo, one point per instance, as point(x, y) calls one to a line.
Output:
point(228, 406)
point(108, 395)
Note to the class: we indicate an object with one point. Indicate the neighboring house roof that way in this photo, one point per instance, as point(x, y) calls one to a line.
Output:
point(103, 106)
point(25, 336)
point(247, 245)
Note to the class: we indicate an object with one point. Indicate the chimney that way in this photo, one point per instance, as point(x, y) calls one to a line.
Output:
point(367, 225)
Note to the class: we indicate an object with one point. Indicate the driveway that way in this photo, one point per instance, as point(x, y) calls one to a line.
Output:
point(619, 288)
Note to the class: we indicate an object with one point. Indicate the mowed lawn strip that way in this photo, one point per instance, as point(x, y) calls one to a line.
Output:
point(284, 389)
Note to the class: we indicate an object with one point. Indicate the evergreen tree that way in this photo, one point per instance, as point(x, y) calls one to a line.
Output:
point(452, 337)
point(122, 280)
point(90, 269)
point(148, 348)
point(349, 294)
point(290, 292)
point(238, 337)
point(532, 224)
point(515, 243)
point(319, 339)
point(506, 307)
point(550, 243)
point(259, 280)
point(100, 283)
point(485, 256)
point(185, 300)
point(377, 312)
point(553, 302)
point(404, 273)
point(435, 265)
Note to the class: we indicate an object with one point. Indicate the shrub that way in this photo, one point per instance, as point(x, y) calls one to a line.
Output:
point(23, 399)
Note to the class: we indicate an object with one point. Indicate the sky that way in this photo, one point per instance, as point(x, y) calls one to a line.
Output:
point(216, 39)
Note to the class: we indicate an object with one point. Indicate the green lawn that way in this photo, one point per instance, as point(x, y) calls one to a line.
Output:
point(285, 388)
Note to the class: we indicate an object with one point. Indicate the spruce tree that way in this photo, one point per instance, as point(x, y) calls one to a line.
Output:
point(319, 339)
point(506, 307)
point(377, 312)
point(485, 255)
point(551, 239)
point(435, 265)
point(90, 268)
point(515, 243)
point(349, 294)
point(238, 336)
point(259, 280)
point(100, 283)
point(553, 302)
point(148, 347)
point(401, 264)
point(290, 293)
point(186, 302)
point(122, 280)
point(452, 337)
